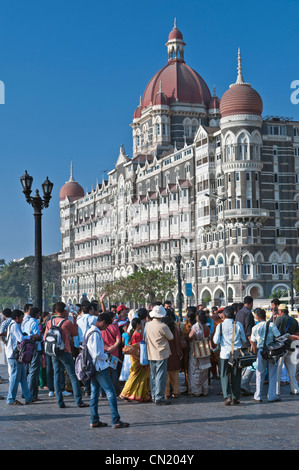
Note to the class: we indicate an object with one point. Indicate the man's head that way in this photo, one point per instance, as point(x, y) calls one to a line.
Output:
point(274, 304)
point(35, 312)
point(103, 321)
point(17, 316)
point(122, 312)
point(27, 308)
point(60, 309)
point(282, 309)
point(7, 312)
point(229, 312)
point(248, 301)
point(87, 307)
point(260, 314)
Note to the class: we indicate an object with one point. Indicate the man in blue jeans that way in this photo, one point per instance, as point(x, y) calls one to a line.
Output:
point(158, 336)
point(30, 327)
point(101, 379)
point(17, 370)
point(64, 359)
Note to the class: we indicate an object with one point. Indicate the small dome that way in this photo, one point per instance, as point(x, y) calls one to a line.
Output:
point(71, 189)
point(175, 34)
point(241, 99)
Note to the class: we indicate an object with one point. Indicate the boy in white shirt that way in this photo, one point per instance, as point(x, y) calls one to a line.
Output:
point(101, 379)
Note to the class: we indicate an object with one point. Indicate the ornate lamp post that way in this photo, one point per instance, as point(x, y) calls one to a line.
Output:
point(178, 260)
point(38, 204)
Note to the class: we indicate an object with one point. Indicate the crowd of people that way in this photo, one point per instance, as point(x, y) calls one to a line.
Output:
point(138, 354)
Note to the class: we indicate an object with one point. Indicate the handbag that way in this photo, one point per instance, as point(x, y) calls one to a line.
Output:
point(275, 350)
point(240, 358)
point(143, 353)
point(201, 348)
point(132, 349)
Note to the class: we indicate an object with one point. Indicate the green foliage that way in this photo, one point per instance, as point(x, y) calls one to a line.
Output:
point(17, 281)
point(143, 286)
point(296, 279)
point(278, 294)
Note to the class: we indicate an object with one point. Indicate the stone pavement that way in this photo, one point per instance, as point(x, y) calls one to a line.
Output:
point(188, 424)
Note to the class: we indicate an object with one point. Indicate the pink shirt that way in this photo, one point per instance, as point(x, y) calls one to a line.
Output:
point(68, 329)
point(110, 335)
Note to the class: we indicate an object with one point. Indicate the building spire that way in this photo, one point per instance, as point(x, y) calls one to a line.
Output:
point(240, 79)
point(72, 173)
point(175, 26)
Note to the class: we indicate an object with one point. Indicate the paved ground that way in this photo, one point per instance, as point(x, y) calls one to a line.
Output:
point(189, 423)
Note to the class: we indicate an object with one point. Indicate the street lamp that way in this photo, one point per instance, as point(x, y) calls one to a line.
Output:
point(38, 204)
point(222, 200)
point(178, 260)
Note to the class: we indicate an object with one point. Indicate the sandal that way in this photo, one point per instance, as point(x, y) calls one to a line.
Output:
point(99, 424)
point(16, 402)
point(120, 424)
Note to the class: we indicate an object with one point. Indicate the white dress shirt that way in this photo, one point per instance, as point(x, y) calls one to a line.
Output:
point(14, 336)
point(95, 346)
point(225, 340)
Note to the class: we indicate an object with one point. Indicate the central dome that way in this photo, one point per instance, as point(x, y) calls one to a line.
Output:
point(178, 81)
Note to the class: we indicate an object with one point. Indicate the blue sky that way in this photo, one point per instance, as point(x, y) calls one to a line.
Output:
point(74, 70)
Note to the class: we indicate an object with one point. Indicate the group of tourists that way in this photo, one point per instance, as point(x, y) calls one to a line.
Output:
point(137, 355)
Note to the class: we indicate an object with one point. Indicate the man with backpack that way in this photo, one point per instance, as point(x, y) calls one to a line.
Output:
point(57, 345)
point(84, 323)
point(33, 368)
point(15, 337)
point(101, 379)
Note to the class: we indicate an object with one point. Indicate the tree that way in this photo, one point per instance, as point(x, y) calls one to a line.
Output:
point(17, 281)
point(142, 287)
point(296, 279)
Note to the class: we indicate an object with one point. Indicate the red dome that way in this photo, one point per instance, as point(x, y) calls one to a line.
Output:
point(175, 34)
point(72, 190)
point(179, 83)
point(241, 99)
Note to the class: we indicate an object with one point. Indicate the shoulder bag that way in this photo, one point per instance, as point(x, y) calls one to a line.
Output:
point(240, 358)
point(275, 350)
point(201, 348)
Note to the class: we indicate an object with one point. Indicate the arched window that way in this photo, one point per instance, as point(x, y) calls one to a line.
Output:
point(243, 152)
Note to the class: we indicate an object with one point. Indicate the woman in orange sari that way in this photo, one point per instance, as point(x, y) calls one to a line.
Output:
point(137, 387)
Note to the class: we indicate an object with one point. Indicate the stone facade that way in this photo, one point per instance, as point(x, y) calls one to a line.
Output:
point(240, 240)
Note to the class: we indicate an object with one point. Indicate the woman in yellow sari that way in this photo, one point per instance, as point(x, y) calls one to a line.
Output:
point(137, 387)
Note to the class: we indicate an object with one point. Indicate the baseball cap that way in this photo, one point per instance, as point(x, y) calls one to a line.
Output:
point(121, 307)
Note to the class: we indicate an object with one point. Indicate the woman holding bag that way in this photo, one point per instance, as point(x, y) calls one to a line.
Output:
point(137, 387)
point(199, 365)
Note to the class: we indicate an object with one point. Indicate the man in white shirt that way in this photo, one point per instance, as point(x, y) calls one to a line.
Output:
point(257, 340)
point(30, 327)
point(101, 379)
point(230, 376)
point(84, 322)
point(18, 370)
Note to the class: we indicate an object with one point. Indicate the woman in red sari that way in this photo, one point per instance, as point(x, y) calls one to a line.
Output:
point(137, 387)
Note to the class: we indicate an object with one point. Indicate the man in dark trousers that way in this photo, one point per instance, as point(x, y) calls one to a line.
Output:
point(246, 318)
